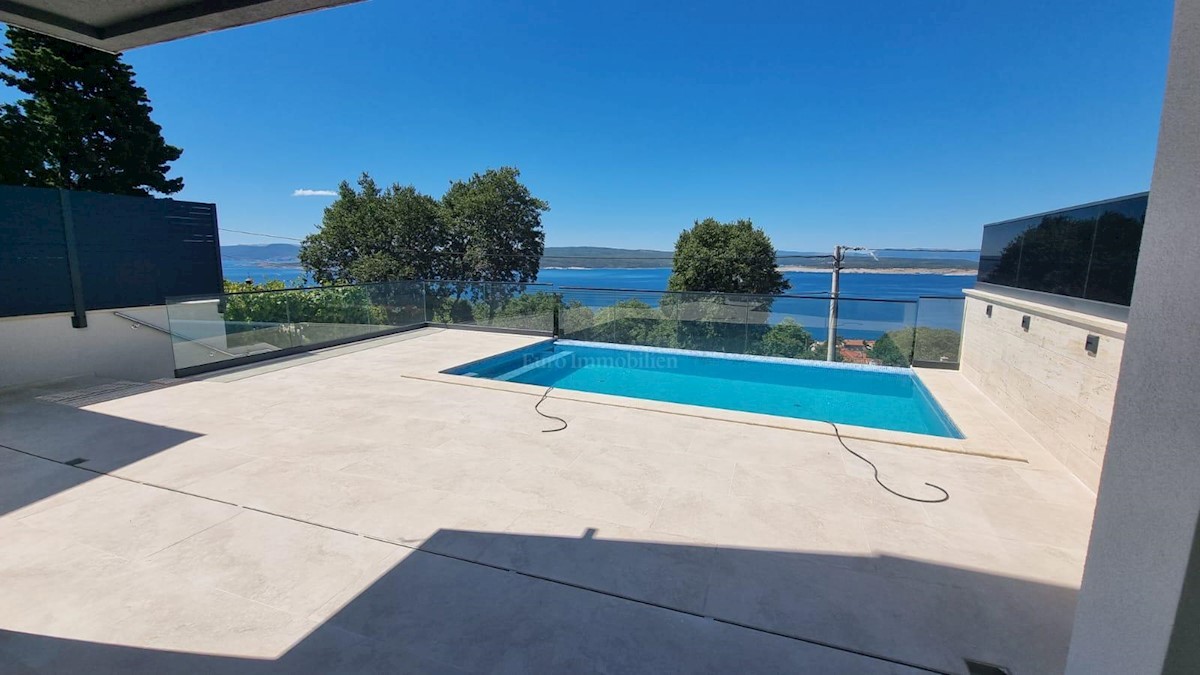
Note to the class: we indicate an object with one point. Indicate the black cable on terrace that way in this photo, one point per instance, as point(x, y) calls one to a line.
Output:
point(945, 495)
point(536, 409)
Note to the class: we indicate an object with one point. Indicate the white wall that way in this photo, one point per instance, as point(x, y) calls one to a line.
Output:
point(1138, 607)
point(1044, 378)
point(45, 347)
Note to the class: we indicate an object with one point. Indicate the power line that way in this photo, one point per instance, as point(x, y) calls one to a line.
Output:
point(260, 234)
point(930, 250)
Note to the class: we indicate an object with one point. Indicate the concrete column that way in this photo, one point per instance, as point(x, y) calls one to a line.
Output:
point(1137, 610)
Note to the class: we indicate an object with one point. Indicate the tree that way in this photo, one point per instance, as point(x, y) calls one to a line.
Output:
point(886, 351)
point(633, 322)
point(731, 257)
point(931, 344)
point(496, 223)
point(535, 311)
point(85, 124)
point(786, 338)
point(274, 314)
point(487, 228)
point(373, 235)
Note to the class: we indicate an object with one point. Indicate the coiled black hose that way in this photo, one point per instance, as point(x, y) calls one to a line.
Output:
point(945, 495)
point(537, 406)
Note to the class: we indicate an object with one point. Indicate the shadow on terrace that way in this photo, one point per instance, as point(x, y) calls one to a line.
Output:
point(56, 434)
point(593, 605)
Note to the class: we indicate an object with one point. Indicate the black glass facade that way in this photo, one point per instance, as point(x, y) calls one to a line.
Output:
point(1087, 252)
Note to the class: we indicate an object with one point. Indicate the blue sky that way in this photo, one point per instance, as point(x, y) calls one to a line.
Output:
point(874, 123)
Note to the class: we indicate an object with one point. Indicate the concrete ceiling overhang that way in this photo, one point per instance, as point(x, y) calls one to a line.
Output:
point(118, 25)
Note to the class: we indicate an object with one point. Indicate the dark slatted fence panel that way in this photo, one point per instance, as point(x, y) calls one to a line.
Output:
point(132, 251)
point(33, 253)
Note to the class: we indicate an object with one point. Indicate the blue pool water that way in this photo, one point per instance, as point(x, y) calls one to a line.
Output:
point(883, 398)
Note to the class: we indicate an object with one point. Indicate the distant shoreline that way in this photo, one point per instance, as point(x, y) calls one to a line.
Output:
point(803, 269)
point(948, 272)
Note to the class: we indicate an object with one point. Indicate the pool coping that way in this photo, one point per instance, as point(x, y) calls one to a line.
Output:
point(978, 442)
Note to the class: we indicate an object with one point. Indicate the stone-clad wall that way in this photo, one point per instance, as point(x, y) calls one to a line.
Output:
point(1044, 377)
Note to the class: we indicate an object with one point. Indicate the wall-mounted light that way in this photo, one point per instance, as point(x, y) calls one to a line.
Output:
point(1025, 323)
point(1092, 344)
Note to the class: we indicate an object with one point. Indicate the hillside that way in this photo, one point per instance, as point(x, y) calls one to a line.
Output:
point(261, 252)
point(601, 257)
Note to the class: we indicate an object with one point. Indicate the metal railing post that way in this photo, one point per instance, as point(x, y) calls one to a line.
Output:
point(554, 330)
point(912, 348)
point(79, 318)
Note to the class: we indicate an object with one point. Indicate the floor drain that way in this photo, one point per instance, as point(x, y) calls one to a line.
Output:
point(75, 462)
point(981, 668)
point(100, 393)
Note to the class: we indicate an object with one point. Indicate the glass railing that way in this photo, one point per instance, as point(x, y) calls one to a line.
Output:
point(223, 329)
point(227, 328)
point(769, 325)
point(937, 337)
point(875, 332)
point(517, 306)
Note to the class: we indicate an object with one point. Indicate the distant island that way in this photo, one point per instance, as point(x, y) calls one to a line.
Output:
point(890, 261)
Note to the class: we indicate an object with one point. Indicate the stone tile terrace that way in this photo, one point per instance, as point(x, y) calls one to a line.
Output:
point(330, 513)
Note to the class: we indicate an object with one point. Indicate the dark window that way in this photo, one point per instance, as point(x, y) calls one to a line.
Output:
point(1055, 253)
point(1115, 253)
point(1000, 254)
point(1083, 252)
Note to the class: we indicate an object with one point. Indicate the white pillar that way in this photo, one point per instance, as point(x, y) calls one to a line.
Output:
point(1138, 610)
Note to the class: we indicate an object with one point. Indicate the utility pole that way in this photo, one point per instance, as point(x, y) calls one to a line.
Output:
point(839, 257)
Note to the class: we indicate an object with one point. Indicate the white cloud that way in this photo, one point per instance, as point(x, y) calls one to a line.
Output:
point(313, 193)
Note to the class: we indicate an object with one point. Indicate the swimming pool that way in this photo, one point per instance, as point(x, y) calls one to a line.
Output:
point(866, 396)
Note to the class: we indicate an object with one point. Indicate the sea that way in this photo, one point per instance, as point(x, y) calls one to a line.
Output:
point(853, 284)
point(857, 319)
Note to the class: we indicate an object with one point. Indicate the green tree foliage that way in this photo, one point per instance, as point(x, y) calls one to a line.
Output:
point(528, 304)
point(731, 257)
point(887, 352)
point(496, 224)
point(633, 322)
point(333, 304)
point(713, 323)
point(84, 124)
point(487, 228)
point(509, 308)
point(574, 319)
point(786, 338)
point(370, 235)
point(932, 344)
point(703, 323)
